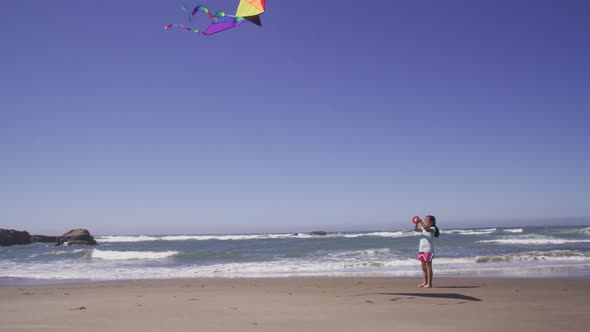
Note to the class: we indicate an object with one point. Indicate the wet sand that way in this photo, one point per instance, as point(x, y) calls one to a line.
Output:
point(300, 304)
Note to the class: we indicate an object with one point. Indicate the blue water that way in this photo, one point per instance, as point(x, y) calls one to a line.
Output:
point(515, 252)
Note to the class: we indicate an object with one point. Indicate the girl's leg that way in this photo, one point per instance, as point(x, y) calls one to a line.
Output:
point(429, 274)
point(424, 275)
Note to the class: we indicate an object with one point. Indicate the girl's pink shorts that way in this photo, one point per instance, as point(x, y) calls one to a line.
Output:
point(425, 256)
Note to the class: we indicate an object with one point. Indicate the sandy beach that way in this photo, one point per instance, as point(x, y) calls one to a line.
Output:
point(300, 304)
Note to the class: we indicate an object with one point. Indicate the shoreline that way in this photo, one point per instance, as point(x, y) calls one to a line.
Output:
point(78, 282)
point(555, 272)
point(300, 304)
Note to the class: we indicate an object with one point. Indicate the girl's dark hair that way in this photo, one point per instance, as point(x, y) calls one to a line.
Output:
point(433, 220)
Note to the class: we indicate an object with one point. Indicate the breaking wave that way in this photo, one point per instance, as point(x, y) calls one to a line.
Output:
point(126, 255)
point(237, 237)
point(514, 230)
point(470, 231)
point(534, 240)
point(552, 255)
point(140, 238)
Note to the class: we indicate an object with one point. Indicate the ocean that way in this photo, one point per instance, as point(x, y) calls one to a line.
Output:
point(483, 252)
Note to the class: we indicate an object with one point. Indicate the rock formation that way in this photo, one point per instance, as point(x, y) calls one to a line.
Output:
point(76, 236)
point(10, 237)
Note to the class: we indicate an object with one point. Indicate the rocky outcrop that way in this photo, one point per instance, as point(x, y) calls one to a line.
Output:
point(10, 237)
point(43, 239)
point(76, 236)
point(320, 233)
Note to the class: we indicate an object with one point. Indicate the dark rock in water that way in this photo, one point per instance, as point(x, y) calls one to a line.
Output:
point(43, 239)
point(295, 234)
point(10, 237)
point(320, 233)
point(76, 236)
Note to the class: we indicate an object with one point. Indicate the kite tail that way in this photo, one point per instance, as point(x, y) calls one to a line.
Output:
point(202, 9)
point(206, 10)
point(219, 22)
point(182, 26)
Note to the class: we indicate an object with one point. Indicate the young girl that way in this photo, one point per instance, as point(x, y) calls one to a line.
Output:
point(426, 248)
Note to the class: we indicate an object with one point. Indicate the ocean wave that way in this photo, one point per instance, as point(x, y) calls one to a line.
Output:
point(58, 253)
point(110, 270)
point(369, 262)
point(211, 237)
point(238, 237)
point(379, 257)
point(485, 231)
point(514, 230)
point(552, 255)
point(585, 231)
point(534, 240)
point(127, 255)
point(143, 238)
point(120, 238)
point(378, 234)
point(355, 255)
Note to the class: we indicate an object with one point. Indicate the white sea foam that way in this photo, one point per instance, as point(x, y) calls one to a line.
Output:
point(142, 238)
point(514, 230)
point(237, 237)
point(485, 231)
point(538, 240)
point(125, 255)
point(537, 256)
point(368, 262)
point(116, 238)
point(357, 256)
point(585, 231)
point(57, 252)
point(211, 237)
point(379, 234)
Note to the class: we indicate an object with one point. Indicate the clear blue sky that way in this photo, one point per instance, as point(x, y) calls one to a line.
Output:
point(334, 115)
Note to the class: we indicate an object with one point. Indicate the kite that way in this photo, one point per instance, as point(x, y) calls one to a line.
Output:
point(251, 10)
point(248, 10)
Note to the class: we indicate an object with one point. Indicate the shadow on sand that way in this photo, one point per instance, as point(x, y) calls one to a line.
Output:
point(454, 296)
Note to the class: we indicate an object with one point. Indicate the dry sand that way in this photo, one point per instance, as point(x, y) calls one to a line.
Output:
point(300, 304)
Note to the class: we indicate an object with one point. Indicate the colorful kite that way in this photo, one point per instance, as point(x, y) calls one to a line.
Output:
point(251, 10)
point(248, 10)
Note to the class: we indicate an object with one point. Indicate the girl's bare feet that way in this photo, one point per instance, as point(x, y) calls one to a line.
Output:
point(422, 285)
point(427, 286)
